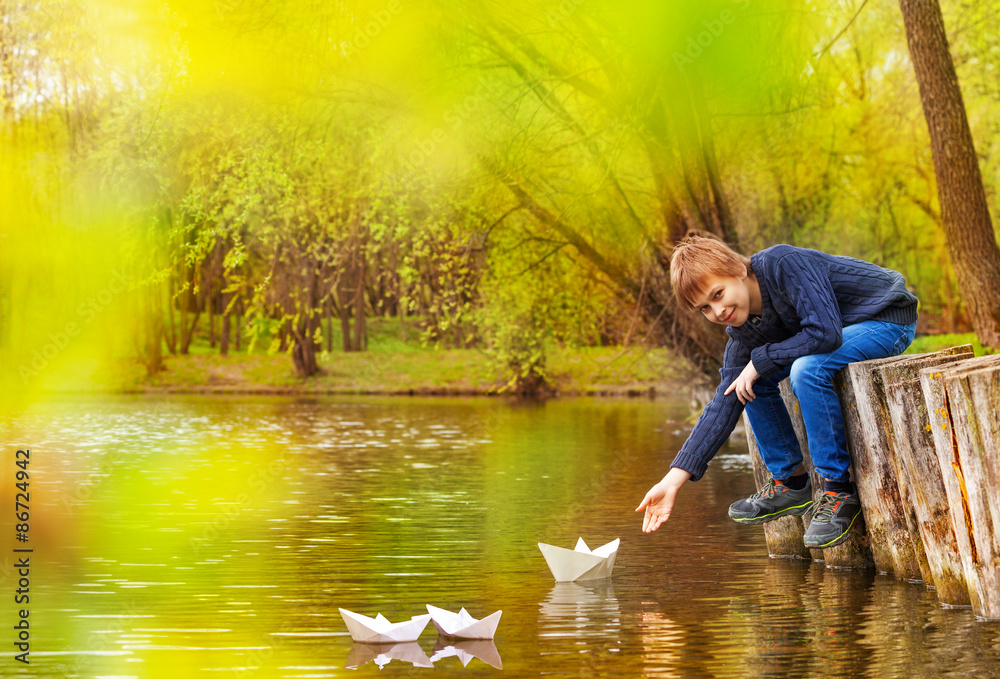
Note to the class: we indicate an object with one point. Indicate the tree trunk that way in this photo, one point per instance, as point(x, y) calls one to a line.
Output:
point(150, 329)
point(360, 338)
point(239, 328)
point(344, 304)
point(328, 313)
point(303, 349)
point(187, 330)
point(224, 329)
point(170, 334)
point(286, 334)
point(307, 323)
point(964, 211)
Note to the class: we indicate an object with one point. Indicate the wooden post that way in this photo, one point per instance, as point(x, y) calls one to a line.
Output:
point(984, 592)
point(971, 394)
point(919, 477)
point(866, 419)
point(891, 548)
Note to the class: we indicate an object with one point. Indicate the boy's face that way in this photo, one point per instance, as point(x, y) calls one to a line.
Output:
point(725, 299)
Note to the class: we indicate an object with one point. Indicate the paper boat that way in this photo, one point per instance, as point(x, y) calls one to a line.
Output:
point(462, 625)
point(571, 565)
point(378, 630)
point(466, 650)
point(383, 654)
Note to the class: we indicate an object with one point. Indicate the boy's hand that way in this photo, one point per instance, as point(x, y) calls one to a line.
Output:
point(659, 501)
point(744, 384)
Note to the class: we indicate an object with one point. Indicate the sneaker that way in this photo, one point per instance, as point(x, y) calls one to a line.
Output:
point(771, 502)
point(836, 514)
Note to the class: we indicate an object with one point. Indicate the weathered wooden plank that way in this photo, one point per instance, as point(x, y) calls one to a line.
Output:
point(985, 387)
point(875, 528)
point(874, 475)
point(984, 585)
point(973, 396)
point(909, 477)
point(915, 447)
point(894, 546)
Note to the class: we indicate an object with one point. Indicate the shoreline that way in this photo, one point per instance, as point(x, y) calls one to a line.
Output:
point(634, 372)
point(623, 392)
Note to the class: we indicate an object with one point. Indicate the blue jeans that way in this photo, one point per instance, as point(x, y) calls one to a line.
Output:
point(812, 384)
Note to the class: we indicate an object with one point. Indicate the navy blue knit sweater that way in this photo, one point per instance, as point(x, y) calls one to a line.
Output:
point(808, 297)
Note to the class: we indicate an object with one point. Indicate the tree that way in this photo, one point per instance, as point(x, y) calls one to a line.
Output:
point(965, 215)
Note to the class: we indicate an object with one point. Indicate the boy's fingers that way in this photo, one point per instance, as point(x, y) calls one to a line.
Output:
point(730, 389)
point(645, 502)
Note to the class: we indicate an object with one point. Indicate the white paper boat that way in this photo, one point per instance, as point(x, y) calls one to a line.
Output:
point(571, 565)
point(378, 630)
point(462, 625)
point(383, 654)
point(466, 650)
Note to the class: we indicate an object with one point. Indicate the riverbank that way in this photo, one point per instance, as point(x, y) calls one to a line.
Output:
point(396, 368)
point(617, 371)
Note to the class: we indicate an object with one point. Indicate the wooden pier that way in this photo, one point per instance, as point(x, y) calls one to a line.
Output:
point(923, 432)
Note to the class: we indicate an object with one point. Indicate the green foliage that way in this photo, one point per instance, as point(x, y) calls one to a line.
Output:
point(930, 343)
point(532, 297)
point(501, 176)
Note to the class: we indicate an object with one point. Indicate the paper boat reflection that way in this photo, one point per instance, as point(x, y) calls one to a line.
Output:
point(462, 625)
point(382, 654)
point(571, 565)
point(467, 649)
point(580, 611)
point(378, 630)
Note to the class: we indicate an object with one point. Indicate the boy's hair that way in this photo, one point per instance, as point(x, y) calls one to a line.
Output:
point(695, 258)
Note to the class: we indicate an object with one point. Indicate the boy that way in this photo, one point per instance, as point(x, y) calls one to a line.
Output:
point(789, 312)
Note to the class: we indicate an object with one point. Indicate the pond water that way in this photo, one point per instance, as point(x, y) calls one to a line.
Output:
point(211, 536)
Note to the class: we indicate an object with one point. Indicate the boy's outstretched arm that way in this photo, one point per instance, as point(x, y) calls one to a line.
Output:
point(659, 501)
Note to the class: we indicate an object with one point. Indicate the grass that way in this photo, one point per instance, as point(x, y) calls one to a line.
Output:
point(395, 364)
point(591, 370)
point(929, 343)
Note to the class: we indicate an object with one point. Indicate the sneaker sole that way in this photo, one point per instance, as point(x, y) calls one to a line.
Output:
point(840, 539)
point(797, 510)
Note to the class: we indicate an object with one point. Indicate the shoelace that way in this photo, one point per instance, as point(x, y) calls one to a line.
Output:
point(827, 504)
point(767, 491)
